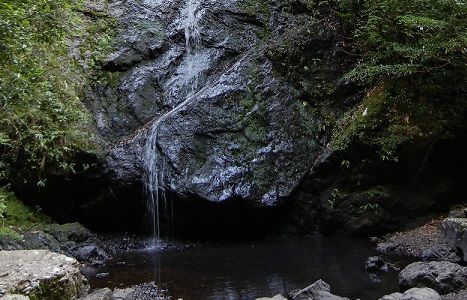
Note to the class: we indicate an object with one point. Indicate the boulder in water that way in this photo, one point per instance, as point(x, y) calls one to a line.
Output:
point(442, 276)
point(319, 290)
point(376, 263)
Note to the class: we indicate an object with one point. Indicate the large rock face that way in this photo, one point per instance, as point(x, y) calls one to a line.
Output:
point(198, 105)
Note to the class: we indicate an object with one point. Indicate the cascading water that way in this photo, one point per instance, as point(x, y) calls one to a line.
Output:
point(191, 67)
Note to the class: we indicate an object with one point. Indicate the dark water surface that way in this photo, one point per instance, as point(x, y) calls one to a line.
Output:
point(250, 270)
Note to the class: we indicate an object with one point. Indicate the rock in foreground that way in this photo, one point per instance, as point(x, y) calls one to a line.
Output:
point(454, 234)
point(444, 277)
point(145, 291)
point(414, 294)
point(276, 297)
point(319, 290)
point(40, 274)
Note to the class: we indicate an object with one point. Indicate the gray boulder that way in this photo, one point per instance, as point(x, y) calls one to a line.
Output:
point(319, 290)
point(458, 213)
point(376, 263)
point(414, 294)
point(276, 297)
point(101, 294)
point(444, 277)
point(40, 274)
point(124, 294)
point(454, 234)
point(14, 297)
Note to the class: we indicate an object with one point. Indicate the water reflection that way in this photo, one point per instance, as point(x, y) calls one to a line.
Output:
point(246, 271)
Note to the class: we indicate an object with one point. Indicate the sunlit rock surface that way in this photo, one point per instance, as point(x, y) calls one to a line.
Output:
point(40, 274)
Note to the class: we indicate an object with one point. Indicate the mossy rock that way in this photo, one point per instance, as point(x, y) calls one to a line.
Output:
point(74, 232)
point(10, 239)
point(16, 213)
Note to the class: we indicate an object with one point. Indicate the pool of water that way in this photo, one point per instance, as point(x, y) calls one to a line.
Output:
point(254, 269)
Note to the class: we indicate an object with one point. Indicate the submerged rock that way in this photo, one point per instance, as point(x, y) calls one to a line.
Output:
point(444, 277)
point(414, 294)
point(91, 253)
point(376, 263)
point(319, 290)
point(40, 274)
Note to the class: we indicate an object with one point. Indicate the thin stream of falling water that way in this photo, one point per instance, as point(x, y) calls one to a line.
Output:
point(191, 16)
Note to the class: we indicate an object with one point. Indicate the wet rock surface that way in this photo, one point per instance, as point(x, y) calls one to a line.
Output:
point(40, 274)
point(375, 264)
point(241, 133)
point(444, 277)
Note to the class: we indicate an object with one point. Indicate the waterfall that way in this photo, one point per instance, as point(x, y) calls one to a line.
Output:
point(194, 63)
point(192, 67)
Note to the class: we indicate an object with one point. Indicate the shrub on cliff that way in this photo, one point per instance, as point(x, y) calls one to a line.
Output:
point(43, 123)
point(415, 53)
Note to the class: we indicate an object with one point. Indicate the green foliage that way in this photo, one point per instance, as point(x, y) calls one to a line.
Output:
point(8, 234)
point(43, 123)
point(403, 38)
point(415, 54)
point(98, 35)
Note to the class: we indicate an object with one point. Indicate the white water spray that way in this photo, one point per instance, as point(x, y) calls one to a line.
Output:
point(193, 66)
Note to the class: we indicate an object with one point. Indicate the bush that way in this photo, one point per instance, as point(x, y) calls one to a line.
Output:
point(43, 123)
point(414, 53)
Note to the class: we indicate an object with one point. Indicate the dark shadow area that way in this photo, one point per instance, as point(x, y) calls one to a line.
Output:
point(89, 198)
point(196, 219)
point(108, 207)
point(372, 197)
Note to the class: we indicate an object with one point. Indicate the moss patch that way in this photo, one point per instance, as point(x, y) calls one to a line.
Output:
point(16, 213)
point(9, 235)
point(255, 8)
